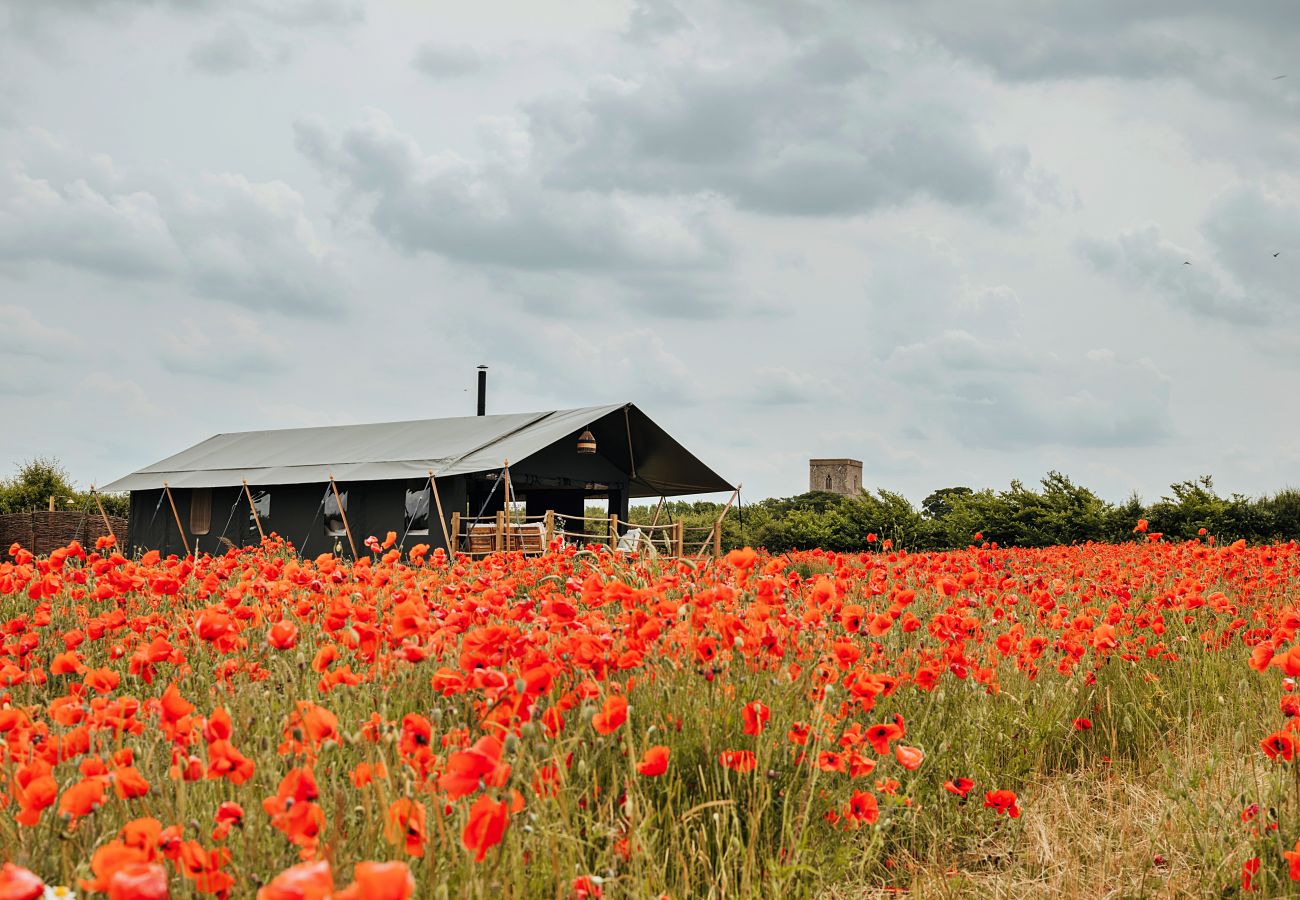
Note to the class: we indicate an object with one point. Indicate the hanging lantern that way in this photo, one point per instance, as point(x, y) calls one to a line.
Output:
point(587, 442)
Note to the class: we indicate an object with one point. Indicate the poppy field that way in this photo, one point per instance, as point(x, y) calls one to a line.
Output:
point(1083, 720)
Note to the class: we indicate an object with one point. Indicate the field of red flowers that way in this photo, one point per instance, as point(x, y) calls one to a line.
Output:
point(1084, 719)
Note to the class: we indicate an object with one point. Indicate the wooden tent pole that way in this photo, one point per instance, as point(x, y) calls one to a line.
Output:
point(631, 457)
point(179, 526)
point(509, 517)
point(343, 514)
point(717, 526)
point(257, 520)
point(103, 515)
point(433, 486)
point(658, 509)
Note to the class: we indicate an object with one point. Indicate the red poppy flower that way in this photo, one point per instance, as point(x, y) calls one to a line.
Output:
point(1280, 745)
point(406, 825)
point(139, 881)
point(909, 758)
point(880, 736)
point(1249, 869)
point(305, 881)
point(379, 881)
point(17, 883)
point(862, 807)
point(755, 715)
point(611, 716)
point(1002, 802)
point(465, 768)
point(654, 762)
point(738, 760)
point(959, 786)
point(1292, 857)
point(488, 820)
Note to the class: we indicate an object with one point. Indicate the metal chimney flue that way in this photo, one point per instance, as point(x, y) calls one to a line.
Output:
point(482, 390)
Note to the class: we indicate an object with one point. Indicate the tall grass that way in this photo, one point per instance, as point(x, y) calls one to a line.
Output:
point(1181, 734)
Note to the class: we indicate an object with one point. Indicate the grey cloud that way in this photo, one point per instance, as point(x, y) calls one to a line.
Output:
point(1111, 38)
point(230, 49)
point(918, 289)
point(1063, 40)
point(70, 221)
point(1239, 281)
point(1226, 51)
point(655, 19)
point(439, 60)
point(954, 347)
point(227, 348)
point(558, 358)
point(22, 334)
point(221, 235)
point(1247, 225)
point(993, 394)
point(287, 12)
point(809, 129)
point(495, 212)
point(1146, 259)
point(783, 386)
point(310, 12)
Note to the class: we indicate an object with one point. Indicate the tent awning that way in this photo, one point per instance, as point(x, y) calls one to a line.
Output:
point(655, 462)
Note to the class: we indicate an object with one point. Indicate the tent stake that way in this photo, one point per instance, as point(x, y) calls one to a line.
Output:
point(103, 515)
point(433, 485)
point(179, 526)
point(343, 514)
point(257, 520)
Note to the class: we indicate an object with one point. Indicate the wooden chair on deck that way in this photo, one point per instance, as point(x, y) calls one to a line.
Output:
point(482, 539)
point(530, 537)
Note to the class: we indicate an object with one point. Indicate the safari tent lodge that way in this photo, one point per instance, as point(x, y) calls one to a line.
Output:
point(328, 488)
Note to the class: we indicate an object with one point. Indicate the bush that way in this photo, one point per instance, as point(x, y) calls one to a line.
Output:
point(39, 479)
point(1057, 512)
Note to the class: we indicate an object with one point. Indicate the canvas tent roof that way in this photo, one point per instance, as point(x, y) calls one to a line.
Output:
point(656, 463)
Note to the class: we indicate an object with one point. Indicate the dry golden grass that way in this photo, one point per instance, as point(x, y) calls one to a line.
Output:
point(1106, 832)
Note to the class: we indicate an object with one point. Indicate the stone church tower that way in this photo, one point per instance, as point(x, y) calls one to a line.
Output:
point(839, 476)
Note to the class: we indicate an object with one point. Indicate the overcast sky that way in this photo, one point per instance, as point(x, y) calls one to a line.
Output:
point(949, 239)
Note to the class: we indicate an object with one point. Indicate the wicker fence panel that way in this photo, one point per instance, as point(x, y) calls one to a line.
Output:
point(42, 532)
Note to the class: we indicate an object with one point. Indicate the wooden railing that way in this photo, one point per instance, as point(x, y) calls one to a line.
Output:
point(533, 535)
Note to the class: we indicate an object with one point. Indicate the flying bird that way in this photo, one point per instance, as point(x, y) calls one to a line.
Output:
point(1186, 263)
point(1275, 255)
point(1276, 77)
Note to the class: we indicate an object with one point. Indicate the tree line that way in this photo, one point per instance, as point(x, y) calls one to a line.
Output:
point(1057, 511)
point(37, 480)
